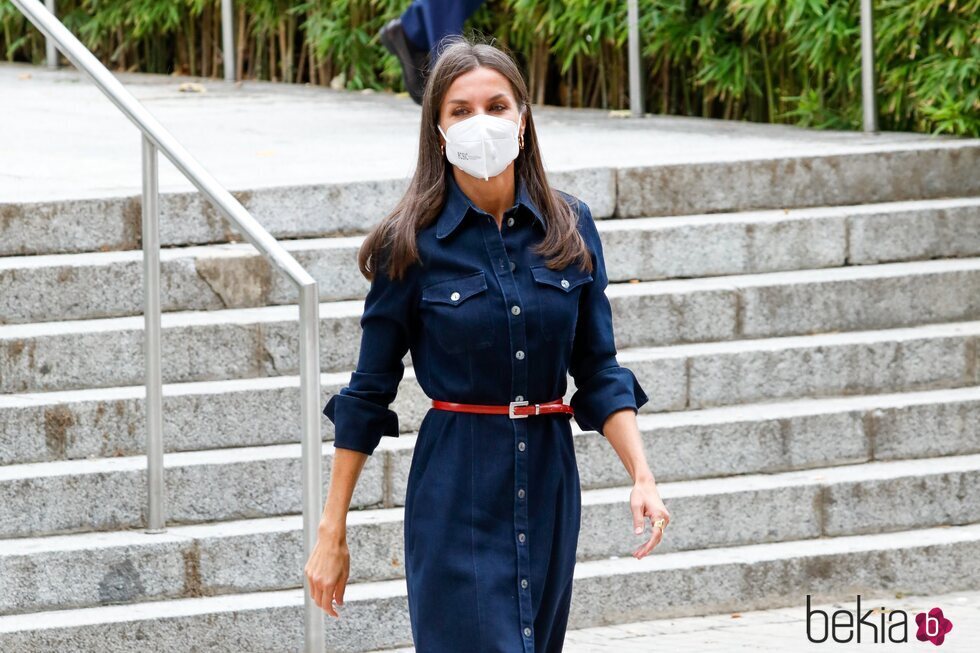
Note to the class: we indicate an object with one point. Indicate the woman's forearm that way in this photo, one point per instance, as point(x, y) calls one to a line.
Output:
point(623, 434)
point(347, 466)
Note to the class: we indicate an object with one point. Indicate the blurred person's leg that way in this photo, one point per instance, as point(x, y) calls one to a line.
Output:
point(411, 36)
point(413, 59)
point(427, 21)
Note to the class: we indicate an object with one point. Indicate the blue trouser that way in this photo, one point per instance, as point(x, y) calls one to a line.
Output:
point(427, 21)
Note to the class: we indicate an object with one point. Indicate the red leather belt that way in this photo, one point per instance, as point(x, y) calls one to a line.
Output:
point(514, 410)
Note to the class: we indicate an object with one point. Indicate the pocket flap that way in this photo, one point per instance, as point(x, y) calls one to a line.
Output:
point(455, 291)
point(568, 279)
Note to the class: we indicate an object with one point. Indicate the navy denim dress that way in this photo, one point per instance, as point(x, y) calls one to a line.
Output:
point(493, 504)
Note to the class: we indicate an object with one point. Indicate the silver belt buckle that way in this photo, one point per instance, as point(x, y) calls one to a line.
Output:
point(510, 409)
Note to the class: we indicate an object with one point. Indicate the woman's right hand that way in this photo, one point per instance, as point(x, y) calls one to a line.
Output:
point(327, 570)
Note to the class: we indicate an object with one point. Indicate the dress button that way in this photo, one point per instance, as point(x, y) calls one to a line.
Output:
point(521, 446)
point(520, 493)
point(524, 582)
point(510, 222)
point(454, 296)
point(527, 631)
point(520, 537)
point(512, 266)
point(516, 310)
point(519, 398)
point(520, 355)
point(564, 283)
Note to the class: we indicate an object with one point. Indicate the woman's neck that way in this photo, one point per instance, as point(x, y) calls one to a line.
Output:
point(494, 196)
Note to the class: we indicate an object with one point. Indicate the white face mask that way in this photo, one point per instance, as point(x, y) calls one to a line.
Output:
point(482, 145)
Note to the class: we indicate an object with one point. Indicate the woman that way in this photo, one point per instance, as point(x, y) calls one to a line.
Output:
point(495, 283)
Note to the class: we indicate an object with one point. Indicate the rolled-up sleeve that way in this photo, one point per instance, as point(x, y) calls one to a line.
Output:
point(602, 386)
point(360, 411)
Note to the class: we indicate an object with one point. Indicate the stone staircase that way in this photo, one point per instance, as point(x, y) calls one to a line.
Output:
point(807, 328)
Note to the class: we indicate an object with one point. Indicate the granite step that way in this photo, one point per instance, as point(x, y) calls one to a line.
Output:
point(255, 342)
point(932, 359)
point(246, 482)
point(211, 277)
point(609, 591)
point(898, 171)
point(241, 555)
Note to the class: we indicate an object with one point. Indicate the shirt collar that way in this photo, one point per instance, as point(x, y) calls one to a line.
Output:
point(458, 205)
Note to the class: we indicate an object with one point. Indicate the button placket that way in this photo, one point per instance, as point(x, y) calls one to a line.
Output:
point(493, 239)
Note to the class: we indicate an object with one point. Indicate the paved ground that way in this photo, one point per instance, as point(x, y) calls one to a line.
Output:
point(60, 137)
point(779, 631)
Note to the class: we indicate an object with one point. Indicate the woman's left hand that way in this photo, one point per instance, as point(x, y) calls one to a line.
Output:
point(645, 502)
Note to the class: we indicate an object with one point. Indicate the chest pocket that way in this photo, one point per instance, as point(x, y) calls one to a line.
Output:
point(456, 313)
point(558, 295)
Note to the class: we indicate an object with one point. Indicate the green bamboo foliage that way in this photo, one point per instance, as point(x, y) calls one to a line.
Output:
point(782, 61)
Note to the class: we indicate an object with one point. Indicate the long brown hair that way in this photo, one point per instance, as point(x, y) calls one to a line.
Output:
point(392, 241)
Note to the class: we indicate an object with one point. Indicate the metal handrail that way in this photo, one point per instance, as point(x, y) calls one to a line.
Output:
point(869, 109)
point(156, 138)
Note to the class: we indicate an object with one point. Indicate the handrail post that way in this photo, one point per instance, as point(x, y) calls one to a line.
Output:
point(50, 49)
point(868, 102)
point(636, 79)
point(156, 517)
point(228, 39)
point(311, 452)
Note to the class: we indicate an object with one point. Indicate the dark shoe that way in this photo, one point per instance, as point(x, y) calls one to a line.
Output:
point(412, 59)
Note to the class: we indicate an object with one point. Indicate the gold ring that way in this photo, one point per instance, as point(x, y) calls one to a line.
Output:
point(661, 524)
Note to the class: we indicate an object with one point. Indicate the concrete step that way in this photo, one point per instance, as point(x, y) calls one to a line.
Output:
point(611, 591)
point(109, 493)
point(266, 553)
point(252, 342)
point(796, 176)
point(764, 369)
point(110, 284)
point(108, 422)
point(200, 278)
point(796, 302)
point(879, 175)
point(747, 242)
